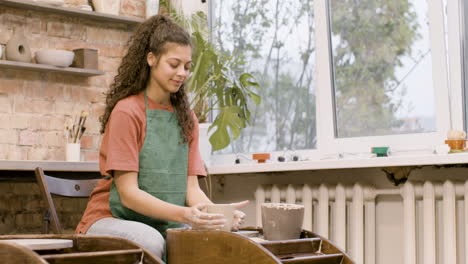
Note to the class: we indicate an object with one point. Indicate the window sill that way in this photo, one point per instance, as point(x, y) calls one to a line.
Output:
point(342, 163)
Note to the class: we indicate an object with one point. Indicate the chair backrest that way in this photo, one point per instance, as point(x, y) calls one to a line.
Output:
point(64, 187)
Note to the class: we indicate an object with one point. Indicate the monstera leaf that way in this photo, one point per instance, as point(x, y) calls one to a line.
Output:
point(217, 84)
point(228, 117)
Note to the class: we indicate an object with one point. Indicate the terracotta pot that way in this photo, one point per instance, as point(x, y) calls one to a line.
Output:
point(282, 221)
point(456, 144)
point(17, 48)
point(261, 157)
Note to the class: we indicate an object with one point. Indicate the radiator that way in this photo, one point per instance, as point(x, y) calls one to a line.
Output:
point(347, 213)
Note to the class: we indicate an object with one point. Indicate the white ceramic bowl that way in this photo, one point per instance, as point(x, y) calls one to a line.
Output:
point(60, 58)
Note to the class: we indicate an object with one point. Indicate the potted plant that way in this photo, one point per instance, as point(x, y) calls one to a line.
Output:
point(217, 84)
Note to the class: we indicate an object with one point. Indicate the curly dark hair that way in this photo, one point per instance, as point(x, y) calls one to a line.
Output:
point(133, 73)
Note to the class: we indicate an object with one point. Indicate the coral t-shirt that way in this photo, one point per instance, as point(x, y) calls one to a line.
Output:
point(120, 147)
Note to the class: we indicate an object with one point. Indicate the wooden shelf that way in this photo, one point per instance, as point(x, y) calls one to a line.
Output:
point(48, 68)
point(29, 4)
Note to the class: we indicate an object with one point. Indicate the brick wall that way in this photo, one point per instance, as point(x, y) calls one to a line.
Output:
point(34, 106)
point(22, 209)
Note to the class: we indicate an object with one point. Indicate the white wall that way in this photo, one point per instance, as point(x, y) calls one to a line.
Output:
point(389, 246)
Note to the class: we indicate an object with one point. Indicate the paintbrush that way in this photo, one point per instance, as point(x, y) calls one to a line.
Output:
point(81, 133)
point(81, 122)
point(68, 130)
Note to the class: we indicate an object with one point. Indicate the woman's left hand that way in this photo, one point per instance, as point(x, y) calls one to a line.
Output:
point(238, 215)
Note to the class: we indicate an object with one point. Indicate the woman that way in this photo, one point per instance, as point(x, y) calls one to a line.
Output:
point(149, 149)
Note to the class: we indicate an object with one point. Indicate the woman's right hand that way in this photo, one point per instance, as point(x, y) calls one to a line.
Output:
point(200, 220)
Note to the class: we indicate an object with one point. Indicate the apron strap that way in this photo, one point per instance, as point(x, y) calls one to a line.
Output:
point(147, 108)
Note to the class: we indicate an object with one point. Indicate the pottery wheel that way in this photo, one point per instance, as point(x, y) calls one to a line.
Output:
point(42, 244)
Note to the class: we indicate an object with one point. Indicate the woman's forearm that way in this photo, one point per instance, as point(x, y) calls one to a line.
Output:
point(146, 204)
point(195, 194)
point(132, 197)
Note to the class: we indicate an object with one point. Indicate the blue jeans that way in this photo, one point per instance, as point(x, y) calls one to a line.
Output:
point(144, 235)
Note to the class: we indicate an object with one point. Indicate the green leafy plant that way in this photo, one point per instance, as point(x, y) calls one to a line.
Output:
point(217, 85)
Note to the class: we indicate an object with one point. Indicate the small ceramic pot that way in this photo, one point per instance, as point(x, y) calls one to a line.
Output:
point(442, 149)
point(261, 157)
point(282, 221)
point(226, 209)
point(380, 151)
point(456, 144)
point(17, 48)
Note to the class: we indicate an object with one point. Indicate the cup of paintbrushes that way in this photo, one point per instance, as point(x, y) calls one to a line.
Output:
point(72, 151)
point(74, 133)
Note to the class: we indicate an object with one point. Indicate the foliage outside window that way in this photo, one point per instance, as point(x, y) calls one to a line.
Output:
point(382, 67)
point(276, 39)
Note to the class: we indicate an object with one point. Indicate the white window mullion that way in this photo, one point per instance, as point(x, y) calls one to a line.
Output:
point(439, 66)
point(454, 29)
point(324, 98)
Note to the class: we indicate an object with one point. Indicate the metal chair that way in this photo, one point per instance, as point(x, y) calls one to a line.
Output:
point(63, 187)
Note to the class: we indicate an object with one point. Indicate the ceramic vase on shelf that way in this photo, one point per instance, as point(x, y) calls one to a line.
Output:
point(152, 8)
point(204, 142)
point(17, 48)
point(111, 7)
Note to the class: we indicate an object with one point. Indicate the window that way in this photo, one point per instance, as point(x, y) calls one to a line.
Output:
point(371, 85)
point(382, 67)
point(341, 76)
point(276, 40)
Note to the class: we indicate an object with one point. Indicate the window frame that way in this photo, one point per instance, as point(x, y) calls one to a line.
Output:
point(447, 87)
point(328, 142)
point(463, 35)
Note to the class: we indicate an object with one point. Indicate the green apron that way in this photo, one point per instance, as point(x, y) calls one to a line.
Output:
point(163, 162)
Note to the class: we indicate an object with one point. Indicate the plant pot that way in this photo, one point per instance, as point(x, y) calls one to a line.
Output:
point(152, 8)
point(17, 48)
point(282, 221)
point(204, 142)
point(111, 7)
point(456, 144)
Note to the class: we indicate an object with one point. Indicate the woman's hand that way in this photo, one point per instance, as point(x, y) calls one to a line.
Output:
point(238, 215)
point(199, 220)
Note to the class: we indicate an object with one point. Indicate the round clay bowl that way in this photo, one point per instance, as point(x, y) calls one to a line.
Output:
point(60, 58)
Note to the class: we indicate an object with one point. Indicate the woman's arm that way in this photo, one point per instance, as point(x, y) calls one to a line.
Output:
point(132, 197)
point(142, 202)
point(195, 194)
